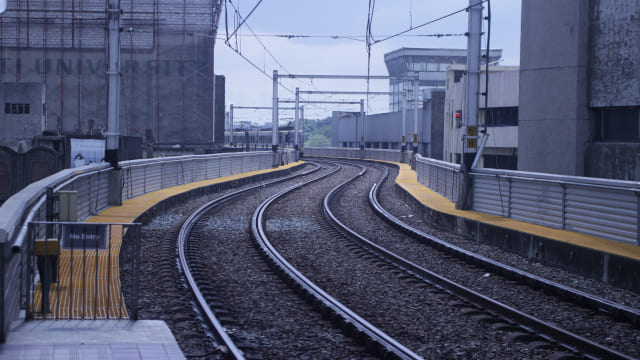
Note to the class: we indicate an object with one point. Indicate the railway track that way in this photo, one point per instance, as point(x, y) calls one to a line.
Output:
point(620, 321)
point(383, 309)
point(309, 323)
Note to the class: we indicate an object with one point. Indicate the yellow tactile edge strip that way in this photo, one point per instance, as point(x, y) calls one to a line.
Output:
point(134, 207)
point(126, 213)
point(407, 179)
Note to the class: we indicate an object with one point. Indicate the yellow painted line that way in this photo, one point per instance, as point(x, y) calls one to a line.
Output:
point(103, 298)
point(132, 208)
point(407, 179)
point(85, 288)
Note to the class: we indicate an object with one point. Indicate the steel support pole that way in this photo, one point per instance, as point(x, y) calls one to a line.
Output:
point(303, 125)
point(216, 20)
point(473, 75)
point(113, 76)
point(296, 119)
point(362, 124)
point(416, 85)
point(404, 121)
point(274, 113)
point(470, 115)
point(213, 97)
point(231, 124)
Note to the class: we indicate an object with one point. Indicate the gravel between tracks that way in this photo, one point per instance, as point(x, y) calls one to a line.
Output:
point(438, 329)
point(429, 321)
point(256, 307)
point(585, 322)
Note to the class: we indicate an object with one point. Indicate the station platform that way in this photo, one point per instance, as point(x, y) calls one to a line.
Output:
point(608, 260)
point(91, 339)
point(47, 338)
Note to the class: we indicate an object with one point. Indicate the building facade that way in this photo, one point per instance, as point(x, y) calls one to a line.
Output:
point(580, 88)
point(385, 130)
point(165, 64)
point(431, 66)
point(499, 122)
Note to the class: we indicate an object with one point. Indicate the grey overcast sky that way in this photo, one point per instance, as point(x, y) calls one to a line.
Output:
point(346, 53)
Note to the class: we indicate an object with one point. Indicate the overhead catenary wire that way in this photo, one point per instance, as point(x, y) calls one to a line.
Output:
point(238, 51)
point(428, 22)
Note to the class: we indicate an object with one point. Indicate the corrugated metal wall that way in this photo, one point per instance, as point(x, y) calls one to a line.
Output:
point(599, 207)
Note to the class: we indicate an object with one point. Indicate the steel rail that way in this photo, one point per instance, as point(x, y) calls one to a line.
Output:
point(618, 311)
point(210, 317)
point(385, 344)
point(570, 340)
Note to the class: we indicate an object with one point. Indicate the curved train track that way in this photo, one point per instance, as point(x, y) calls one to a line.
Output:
point(391, 306)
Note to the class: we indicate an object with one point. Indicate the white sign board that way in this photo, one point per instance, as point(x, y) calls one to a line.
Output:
point(86, 151)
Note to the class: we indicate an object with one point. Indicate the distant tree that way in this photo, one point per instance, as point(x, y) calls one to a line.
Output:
point(317, 132)
point(318, 140)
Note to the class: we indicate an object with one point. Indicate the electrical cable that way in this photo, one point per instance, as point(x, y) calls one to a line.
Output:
point(244, 20)
point(429, 22)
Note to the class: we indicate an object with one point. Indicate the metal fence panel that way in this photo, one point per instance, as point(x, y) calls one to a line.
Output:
point(226, 166)
point(153, 177)
point(439, 176)
point(537, 202)
point(200, 169)
point(490, 195)
point(170, 172)
point(187, 171)
point(236, 165)
point(213, 168)
point(135, 180)
point(608, 213)
point(72, 270)
point(82, 186)
point(13, 280)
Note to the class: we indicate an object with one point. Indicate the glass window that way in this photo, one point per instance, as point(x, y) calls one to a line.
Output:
point(500, 116)
point(617, 124)
point(432, 67)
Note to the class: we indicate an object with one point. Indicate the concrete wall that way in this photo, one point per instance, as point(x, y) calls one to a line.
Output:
point(612, 161)
point(166, 83)
point(161, 92)
point(384, 129)
point(554, 122)
point(21, 127)
point(437, 124)
point(615, 53)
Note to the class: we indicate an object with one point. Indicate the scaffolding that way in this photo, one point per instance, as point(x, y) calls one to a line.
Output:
point(167, 73)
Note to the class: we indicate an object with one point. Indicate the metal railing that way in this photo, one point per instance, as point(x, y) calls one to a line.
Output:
point(599, 207)
point(142, 176)
point(354, 153)
point(439, 176)
point(78, 270)
point(91, 184)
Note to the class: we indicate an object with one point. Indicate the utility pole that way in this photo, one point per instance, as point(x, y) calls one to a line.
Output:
point(473, 82)
point(216, 21)
point(403, 146)
point(231, 124)
point(296, 119)
point(416, 86)
point(303, 124)
point(113, 76)
point(274, 113)
point(362, 124)
point(470, 116)
point(113, 102)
